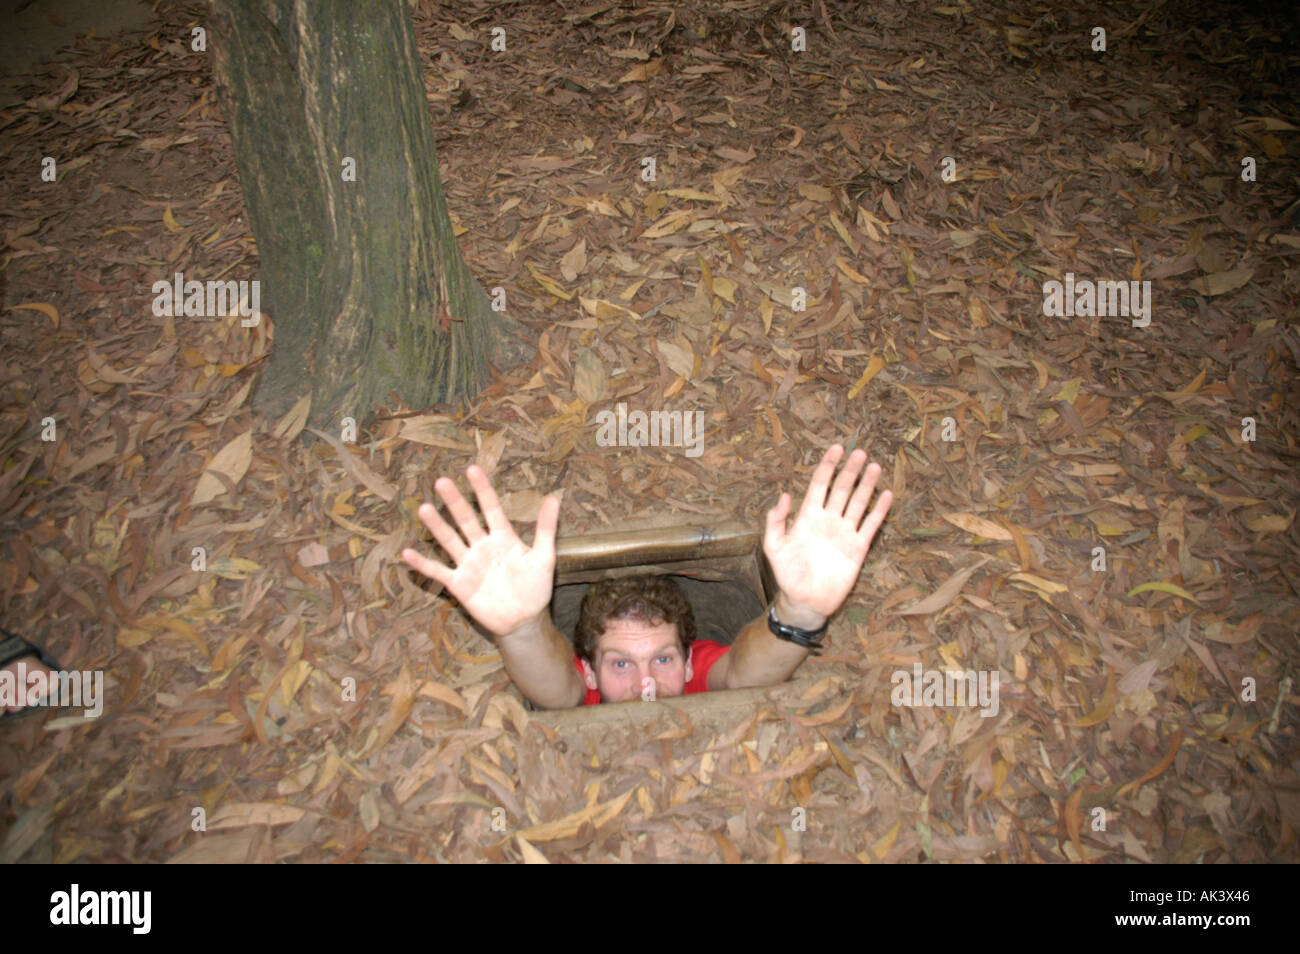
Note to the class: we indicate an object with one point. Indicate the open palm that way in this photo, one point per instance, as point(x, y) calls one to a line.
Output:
point(498, 580)
point(816, 561)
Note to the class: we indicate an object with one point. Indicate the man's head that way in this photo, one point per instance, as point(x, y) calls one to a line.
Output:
point(632, 631)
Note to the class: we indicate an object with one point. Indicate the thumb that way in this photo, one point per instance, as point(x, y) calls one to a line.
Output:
point(774, 534)
point(548, 518)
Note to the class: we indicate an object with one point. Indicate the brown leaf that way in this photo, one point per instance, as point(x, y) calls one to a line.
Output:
point(489, 454)
point(434, 430)
point(729, 854)
point(522, 506)
point(1072, 820)
point(1243, 632)
point(369, 808)
point(105, 371)
point(357, 469)
point(531, 855)
point(1105, 707)
point(403, 690)
point(242, 814)
point(436, 690)
point(290, 426)
point(232, 461)
point(1157, 770)
point(566, 827)
point(1222, 282)
point(29, 779)
point(1138, 678)
point(942, 596)
point(234, 848)
point(574, 261)
point(978, 526)
point(680, 359)
point(829, 715)
point(589, 376)
point(1270, 523)
point(59, 96)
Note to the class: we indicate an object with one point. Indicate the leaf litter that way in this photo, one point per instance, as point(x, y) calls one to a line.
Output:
point(317, 702)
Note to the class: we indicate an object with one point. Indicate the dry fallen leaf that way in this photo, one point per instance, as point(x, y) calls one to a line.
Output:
point(680, 359)
point(589, 376)
point(1271, 523)
point(231, 461)
point(977, 525)
point(1220, 283)
point(531, 855)
point(253, 813)
point(943, 595)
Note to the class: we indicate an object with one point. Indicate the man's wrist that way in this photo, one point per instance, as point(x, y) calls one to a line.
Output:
point(800, 617)
point(530, 628)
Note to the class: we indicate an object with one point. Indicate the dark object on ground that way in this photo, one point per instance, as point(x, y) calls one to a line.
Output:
point(14, 647)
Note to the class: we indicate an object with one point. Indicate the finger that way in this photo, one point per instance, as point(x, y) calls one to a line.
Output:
point(877, 516)
point(488, 501)
point(548, 518)
point(815, 498)
point(774, 534)
point(844, 483)
point(460, 509)
point(447, 538)
point(862, 496)
point(430, 568)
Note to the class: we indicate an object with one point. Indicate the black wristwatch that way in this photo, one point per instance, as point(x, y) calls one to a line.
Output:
point(800, 637)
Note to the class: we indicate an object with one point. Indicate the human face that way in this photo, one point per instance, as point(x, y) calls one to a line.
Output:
point(630, 653)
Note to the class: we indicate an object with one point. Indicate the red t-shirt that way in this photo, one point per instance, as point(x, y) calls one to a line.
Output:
point(704, 653)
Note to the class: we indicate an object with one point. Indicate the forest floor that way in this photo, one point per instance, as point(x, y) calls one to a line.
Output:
point(1099, 508)
point(35, 31)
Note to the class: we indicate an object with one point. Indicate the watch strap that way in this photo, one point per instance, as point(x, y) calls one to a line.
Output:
point(792, 634)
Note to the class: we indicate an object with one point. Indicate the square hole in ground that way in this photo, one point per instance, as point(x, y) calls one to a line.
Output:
point(721, 607)
point(720, 568)
point(723, 575)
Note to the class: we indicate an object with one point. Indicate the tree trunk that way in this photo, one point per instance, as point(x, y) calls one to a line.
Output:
point(361, 273)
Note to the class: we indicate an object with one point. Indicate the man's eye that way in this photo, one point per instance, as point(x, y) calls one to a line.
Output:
point(620, 662)
point(665, 659)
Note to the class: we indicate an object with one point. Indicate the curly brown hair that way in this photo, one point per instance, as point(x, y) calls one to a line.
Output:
point(649, 599)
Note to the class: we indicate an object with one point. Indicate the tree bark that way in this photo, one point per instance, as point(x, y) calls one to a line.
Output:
point(361, 273)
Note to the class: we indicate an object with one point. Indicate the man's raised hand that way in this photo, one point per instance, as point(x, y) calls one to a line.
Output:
point(499, 581)
point(816, 562)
